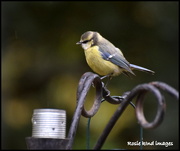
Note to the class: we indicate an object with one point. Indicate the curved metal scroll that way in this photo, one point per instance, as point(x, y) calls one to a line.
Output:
point(90, 78)
point(84, 85)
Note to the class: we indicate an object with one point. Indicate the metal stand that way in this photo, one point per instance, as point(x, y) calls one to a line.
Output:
point(102, 93)
point(45, 143)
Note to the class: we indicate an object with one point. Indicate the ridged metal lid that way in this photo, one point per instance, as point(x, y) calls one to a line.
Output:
point(49, 123)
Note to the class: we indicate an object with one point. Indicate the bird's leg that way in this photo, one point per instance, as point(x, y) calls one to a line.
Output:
point(109, 76)
point(105, 77)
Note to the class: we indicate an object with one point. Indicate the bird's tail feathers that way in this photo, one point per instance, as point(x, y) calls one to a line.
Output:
point(136, 67)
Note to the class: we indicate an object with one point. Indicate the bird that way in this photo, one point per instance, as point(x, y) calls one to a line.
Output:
point(104, 58)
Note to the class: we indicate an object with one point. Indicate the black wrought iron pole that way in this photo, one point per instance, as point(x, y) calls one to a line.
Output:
point(102, 93)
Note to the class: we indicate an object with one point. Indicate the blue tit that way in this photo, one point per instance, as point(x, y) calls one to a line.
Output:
point(104, 58)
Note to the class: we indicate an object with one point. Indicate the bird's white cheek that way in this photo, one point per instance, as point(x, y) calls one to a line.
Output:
point(85, 46)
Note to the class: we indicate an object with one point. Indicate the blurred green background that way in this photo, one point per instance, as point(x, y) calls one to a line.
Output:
point(42, 65)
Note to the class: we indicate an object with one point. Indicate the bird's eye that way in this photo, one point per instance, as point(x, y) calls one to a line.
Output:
point(86, 41)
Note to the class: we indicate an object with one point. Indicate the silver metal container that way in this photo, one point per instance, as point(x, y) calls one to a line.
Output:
point(49, 123)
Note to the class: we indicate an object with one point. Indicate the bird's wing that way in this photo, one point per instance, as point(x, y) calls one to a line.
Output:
point(114, 55)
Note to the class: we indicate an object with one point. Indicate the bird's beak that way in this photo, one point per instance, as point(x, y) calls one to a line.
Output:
point(79, 43)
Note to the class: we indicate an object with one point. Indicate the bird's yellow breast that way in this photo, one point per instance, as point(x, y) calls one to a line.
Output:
point(98, 64)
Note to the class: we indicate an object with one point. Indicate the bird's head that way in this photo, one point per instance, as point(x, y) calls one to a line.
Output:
point(89, 39)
